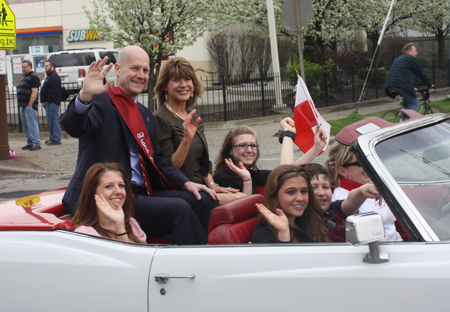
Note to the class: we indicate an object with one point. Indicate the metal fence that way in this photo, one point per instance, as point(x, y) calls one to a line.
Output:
point(232, 98)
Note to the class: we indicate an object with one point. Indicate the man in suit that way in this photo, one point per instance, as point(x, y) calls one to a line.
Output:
point(113, 127)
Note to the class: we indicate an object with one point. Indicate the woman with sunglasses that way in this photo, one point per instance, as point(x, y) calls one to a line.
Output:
point(182, 141)
point(291, 214)
point(347, 174)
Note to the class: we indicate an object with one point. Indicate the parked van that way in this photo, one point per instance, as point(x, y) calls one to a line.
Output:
point(72, 66)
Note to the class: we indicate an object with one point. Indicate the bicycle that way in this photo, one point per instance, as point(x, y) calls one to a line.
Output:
point(397, 115)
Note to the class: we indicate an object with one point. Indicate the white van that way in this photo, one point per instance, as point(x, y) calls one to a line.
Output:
point(72, 66)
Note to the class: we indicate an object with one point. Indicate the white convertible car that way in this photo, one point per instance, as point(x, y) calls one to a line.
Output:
point(45, 266)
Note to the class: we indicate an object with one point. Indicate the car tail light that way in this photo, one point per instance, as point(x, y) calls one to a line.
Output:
point(81, 73)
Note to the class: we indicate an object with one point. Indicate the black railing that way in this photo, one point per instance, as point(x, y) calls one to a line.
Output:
point(236, 97)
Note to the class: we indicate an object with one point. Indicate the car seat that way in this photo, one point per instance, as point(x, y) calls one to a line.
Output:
point(234, 222)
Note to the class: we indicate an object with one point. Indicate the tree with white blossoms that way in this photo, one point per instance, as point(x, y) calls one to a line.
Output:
point(330, 24)
point(370, 15)
point(435, 23)
point(158, 26)
point(331, 19)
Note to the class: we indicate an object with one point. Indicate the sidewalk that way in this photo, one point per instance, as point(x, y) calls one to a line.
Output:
point(62, 159)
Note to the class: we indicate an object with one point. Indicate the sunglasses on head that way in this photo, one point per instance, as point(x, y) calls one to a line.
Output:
point(355, 163)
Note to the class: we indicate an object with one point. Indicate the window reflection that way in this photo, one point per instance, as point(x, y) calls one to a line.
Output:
point(420, 163)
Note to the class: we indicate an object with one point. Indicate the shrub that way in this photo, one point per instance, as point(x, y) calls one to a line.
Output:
point(381, 75)
point(347, 59)
point(313, 72)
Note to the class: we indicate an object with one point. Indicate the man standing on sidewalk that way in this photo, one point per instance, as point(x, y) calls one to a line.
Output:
point(51, 94)
point(402, 76)
point(27, 98)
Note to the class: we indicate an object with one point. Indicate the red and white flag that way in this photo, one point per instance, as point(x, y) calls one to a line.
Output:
point(306, 118)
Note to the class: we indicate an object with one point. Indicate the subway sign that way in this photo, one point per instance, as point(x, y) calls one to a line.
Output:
point(83, 35)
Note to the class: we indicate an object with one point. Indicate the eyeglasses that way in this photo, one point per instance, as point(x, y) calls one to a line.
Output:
point(244, 146)
point(355, 163)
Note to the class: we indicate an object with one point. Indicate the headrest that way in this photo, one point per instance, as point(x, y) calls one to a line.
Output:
point(235, 211)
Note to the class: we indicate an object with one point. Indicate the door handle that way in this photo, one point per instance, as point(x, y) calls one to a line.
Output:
point(162, 278)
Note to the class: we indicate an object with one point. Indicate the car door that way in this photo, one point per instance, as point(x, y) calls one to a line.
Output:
point(305, 277)
point(67, 271)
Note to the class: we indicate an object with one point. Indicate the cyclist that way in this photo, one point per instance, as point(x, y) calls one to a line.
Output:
point(402, 76)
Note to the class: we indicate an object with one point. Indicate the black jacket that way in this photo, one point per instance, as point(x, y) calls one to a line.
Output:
point(51, 91)
point(403, 72)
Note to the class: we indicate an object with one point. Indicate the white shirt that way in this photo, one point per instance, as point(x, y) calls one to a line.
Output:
point(370, 205)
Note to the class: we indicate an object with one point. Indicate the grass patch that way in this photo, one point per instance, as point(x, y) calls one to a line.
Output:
point(445, 104)
point(338, 124)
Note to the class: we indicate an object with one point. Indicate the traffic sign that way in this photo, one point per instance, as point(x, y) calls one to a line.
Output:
point(304, 11)
point(7, 26)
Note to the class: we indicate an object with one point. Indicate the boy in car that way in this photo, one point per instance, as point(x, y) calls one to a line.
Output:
point(335, 213)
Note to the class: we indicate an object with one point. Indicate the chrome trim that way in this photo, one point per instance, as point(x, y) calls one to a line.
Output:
point(367, 145)
point(162, 278)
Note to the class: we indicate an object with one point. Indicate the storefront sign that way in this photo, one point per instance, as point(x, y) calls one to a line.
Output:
point(83, 35)
point(38, 49)
point(17, 65)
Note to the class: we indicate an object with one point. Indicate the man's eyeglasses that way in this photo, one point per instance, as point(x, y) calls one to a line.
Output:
point(355, 163)
point(244, 146)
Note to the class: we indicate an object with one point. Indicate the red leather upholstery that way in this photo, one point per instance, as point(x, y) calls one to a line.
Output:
point(234, 222)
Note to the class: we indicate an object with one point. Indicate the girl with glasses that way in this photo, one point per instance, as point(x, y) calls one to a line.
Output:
point(236, 162)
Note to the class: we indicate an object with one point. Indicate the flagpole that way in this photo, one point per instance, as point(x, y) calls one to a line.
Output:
point(373, 57)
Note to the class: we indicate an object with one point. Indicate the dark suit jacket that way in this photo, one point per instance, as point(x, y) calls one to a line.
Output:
point(104, 137)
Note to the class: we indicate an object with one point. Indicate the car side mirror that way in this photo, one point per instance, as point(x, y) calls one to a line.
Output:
point(367, 228)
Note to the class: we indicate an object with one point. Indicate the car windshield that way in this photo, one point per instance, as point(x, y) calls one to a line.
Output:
point(420, 163)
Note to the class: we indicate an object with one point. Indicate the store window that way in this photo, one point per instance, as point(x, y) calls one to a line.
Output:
point(54, 43)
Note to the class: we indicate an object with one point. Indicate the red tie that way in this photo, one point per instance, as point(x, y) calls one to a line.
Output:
point(148, 186)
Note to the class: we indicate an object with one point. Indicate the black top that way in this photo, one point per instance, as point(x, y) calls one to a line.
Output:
point(228, 178)
point(28, 82)
point(335, 206)
point(51, 91)
point(263, 235)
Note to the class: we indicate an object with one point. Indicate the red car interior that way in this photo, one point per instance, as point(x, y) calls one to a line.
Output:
point(234, 222)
